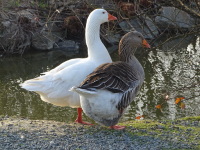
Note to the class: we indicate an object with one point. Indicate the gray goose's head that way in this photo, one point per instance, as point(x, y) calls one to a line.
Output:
point(129, 43)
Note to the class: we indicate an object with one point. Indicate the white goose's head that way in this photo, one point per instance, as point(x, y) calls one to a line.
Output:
point(101, 16)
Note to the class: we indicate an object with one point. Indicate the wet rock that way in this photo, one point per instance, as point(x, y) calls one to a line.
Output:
point(144, 25)
point(27, 15)
point(43, 41)
point(110, 38)
point(174, 18)
point(112, 49)
point(102, 4)
point(176, 44)
point(113, 38)
point(6, 23)
point(72, 4)
point(58, 3)
point(14, 25)
point(67, 45)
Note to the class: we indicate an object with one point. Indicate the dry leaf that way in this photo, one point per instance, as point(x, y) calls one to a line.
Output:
point(178, 99)
point(182, 105)
point(139, 117)
point(158, 106)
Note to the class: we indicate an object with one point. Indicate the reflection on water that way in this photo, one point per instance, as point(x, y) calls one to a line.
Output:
point(175, 73)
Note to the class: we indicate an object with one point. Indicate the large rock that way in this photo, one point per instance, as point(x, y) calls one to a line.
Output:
point(46, 36)
point(176, 44)
point(174, 18)
point(27, 16)
point(43, 41)
point(107, 4)
point(144, 25)
point(15, 30)
point(67, 45)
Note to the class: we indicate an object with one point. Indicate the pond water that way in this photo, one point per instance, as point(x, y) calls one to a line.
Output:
point(170, 72)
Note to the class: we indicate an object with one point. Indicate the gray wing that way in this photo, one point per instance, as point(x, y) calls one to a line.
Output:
point(117, 77)
point(128, 96)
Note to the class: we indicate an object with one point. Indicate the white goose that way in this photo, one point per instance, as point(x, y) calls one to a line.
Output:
point(109, 89)
point(53, 87)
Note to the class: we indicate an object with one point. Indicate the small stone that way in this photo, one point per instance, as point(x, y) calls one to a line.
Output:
point(189, 129)
point(196, 123)
point(160, 127)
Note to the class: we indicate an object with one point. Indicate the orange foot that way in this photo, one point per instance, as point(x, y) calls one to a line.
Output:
point(79, 117)
point(82, 122)
point(117, 127)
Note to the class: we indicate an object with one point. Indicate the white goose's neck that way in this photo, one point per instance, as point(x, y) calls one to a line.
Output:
point(96, 49)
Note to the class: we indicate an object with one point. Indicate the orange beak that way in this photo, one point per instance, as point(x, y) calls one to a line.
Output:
point(145, 44)
point(111, 17)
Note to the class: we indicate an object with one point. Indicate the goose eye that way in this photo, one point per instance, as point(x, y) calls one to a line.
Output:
point(103, 12)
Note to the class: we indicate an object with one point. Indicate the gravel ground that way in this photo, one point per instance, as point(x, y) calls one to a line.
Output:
point(27, 134)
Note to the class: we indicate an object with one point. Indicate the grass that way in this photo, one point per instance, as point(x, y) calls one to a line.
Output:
point(142, 124)
point(166, 130)
point(195, 118)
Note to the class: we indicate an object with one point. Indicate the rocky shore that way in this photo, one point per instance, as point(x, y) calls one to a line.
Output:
point(59, 25)
point(18, 133)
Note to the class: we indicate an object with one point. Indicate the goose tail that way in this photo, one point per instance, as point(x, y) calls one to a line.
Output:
point(33, 84)
point(83, 91)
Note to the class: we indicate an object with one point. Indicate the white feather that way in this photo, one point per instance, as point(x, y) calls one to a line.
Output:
point(101, 106)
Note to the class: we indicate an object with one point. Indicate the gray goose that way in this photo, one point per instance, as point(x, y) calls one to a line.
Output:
point(106, 93)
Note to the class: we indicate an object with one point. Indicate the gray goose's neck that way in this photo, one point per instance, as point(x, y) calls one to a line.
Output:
point(126, 54)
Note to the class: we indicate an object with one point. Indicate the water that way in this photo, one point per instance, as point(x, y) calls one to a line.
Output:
point(173, 73)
